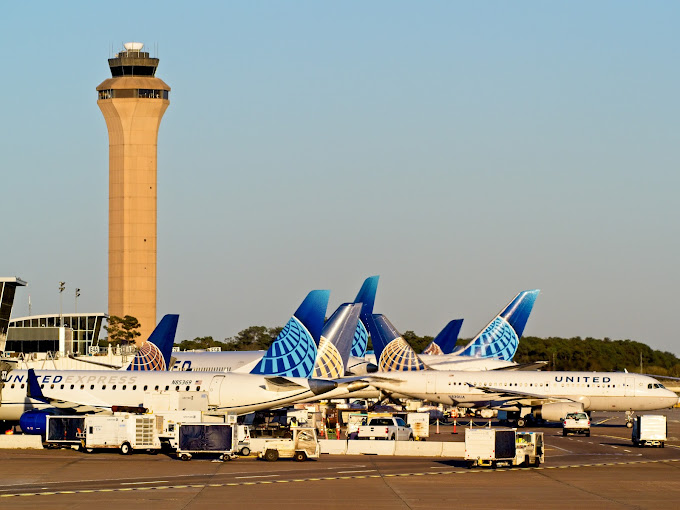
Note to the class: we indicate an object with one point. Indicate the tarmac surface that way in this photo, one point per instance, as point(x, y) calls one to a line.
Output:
point(604, 469)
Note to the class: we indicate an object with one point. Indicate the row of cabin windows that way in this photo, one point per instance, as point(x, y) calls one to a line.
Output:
point(133, 93)
point(505, 385)
point(113, 387)
point(499, 385)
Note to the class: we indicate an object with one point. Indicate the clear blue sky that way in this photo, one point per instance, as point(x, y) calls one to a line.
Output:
point(462, 150)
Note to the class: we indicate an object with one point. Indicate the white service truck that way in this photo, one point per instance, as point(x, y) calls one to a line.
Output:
point(126, 432)
point(576, 423)
point(386, 428)
point(650, 430)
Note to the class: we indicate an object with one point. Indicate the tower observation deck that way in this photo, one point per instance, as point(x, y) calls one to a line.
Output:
point(133, 102)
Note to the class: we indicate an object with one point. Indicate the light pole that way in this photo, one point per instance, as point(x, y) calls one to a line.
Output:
point(77, 296)
point(62, 287)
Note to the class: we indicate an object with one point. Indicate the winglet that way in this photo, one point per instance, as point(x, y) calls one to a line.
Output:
point(155, 353)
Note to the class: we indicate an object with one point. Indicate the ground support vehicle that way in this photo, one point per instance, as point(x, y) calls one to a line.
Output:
point(420, 425)
point(650, 430)
point(530, 449)
point(576, 423)
point(489, 447)
point(126, 432)
point(205, 438)
point(386, 428)
point(64, 431)
point(302, 446)
point(243, 440)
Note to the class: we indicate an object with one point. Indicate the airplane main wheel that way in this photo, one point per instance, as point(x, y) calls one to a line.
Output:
point(125, 449)
point(271, 455)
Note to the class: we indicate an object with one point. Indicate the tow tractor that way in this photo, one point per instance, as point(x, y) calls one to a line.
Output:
point(302, 446)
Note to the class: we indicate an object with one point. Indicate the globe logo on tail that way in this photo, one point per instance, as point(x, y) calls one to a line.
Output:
point(498, 340)
point(360, 342)
point(328, 361)
point(399, 356)
point(148, 357)
point(291, 355)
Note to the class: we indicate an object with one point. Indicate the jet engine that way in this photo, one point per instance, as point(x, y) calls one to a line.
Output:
point(35, 422)
point(558, 410)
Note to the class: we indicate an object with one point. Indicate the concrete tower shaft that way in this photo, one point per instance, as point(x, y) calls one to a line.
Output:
point(133, 103)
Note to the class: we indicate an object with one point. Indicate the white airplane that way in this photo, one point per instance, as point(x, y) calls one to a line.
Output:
point(546, 395)
point(30, 396)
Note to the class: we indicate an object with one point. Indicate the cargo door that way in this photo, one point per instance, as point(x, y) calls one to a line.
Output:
point(214, 392)
point(630, 386)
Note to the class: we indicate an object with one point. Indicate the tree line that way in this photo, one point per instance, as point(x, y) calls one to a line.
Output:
point(586, 354)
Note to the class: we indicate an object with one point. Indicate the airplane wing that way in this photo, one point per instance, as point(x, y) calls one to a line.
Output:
point(534, 365)
point(92, 405)
point(504, 396)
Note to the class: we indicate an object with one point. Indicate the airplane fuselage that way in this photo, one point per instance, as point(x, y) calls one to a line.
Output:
point(597, 391)
point(226, 392)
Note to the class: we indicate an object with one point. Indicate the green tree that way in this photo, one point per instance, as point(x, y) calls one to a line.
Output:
point(122, 329)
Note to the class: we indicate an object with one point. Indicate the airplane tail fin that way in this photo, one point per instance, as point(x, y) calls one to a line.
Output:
point(336, 341)
point(155, 353)
point(500, 338)
point(445, 341)
point(366, 296)
point(293, 353)
point(392, 352)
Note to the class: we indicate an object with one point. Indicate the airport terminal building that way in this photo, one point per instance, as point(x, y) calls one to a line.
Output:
point(73, 333)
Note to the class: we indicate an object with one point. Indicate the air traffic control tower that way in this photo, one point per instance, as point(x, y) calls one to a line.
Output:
point(133, 102)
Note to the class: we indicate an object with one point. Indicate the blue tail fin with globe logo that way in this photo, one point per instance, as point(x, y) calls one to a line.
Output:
point(293, 352)
point(392, 352)
point(500, 338)
point(155, 353)
point(445, 341)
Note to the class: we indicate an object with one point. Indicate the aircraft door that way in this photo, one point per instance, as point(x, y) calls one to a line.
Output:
point(430, 383)
point(214, 391)
point(630, 386)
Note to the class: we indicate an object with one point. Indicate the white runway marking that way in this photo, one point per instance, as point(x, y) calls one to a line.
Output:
point(563, 449)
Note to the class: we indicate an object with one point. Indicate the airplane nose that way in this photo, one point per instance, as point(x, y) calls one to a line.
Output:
point(319, 386)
